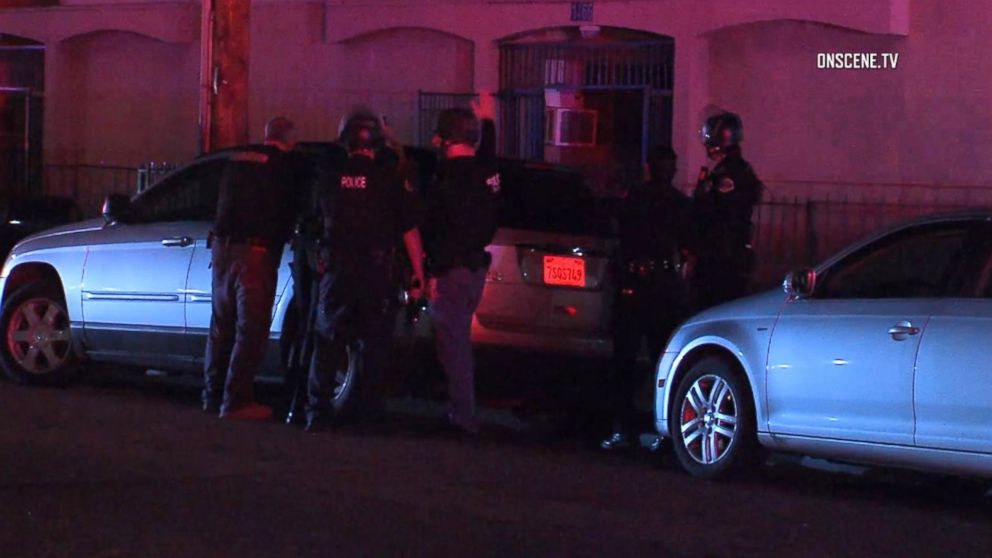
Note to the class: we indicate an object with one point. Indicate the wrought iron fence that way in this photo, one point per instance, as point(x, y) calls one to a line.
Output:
point(796, 233)
point(90, 184)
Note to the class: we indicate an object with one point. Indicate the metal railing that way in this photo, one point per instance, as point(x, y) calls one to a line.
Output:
point(90, 184)
point(797, 233)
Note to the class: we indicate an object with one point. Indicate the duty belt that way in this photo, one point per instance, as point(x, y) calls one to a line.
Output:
point(646, 267)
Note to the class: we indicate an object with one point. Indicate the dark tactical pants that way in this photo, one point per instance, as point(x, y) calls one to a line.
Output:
point(244, 288)
point(650, 312)
point(354, 310)
point(458, 294)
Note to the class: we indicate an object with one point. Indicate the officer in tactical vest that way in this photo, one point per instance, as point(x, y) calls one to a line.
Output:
point(723, 203)
point(305, 244)
point(366, 209)
point(461, 219)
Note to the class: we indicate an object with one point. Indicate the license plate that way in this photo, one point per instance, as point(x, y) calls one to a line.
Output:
point(569, 272)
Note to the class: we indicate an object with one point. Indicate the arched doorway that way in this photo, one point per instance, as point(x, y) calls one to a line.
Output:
point(22, 81)
point(590, 97)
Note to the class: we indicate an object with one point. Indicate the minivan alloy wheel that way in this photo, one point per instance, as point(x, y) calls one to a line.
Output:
point(38, 336)
point(709, 417)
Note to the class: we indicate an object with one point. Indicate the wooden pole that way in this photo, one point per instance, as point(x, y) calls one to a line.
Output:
point(224, 74)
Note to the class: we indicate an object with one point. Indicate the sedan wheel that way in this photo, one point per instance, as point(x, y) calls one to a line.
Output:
point(712, 420)
point(709, 419)
point(37, 344)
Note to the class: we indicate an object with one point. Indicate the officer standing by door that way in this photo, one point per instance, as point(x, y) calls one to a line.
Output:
point(366, 208)
point(653, 296)
point(462, 222)
point(260, 196)
point(723, 203)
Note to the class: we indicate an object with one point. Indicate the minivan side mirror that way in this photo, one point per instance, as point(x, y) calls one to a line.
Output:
point(116, 208)
point(800, 283)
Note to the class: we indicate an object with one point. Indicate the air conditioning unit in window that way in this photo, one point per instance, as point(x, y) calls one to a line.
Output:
point(570, 127)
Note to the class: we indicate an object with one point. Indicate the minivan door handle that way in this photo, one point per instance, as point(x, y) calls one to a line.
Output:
point(177, 242)
point(903, 330)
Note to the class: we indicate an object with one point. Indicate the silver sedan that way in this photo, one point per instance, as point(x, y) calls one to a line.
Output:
point(878, 356)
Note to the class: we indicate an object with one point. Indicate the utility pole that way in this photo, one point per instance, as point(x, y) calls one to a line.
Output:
point(224, 40)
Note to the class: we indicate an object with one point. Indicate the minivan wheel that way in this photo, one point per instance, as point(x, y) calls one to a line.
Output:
point(350, 392)
point(712, 420)
point(346, 382)
point(37, 340)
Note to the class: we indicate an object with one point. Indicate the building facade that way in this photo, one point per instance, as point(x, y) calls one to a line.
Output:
point(585, 83)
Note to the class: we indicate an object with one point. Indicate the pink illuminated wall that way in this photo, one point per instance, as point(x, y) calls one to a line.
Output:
point(927, 121)
point(123, 98)
point(121, 77)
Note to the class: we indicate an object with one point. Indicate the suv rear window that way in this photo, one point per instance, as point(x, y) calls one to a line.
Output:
point(548, 199)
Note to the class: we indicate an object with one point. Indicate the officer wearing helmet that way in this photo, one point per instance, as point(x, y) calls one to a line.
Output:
point(723, 203)
point(366, 209)
point(461, 221)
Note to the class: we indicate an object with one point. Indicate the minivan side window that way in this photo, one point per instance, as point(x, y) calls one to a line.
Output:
point(921, 262)
point(189, 195)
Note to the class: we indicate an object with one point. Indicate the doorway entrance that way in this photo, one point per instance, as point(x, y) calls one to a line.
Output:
point(22, 76)
point(595, 99)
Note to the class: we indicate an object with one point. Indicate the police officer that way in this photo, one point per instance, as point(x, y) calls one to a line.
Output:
point(652, 299)
point(259, 198)
point(723, 203)
point(325, 162)
point(366, 208)
point(462, 222)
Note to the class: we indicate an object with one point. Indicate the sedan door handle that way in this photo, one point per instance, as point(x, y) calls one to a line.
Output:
point(903, 330)
point(177, 242)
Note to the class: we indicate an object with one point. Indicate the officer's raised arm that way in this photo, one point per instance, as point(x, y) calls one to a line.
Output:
point(485, 111)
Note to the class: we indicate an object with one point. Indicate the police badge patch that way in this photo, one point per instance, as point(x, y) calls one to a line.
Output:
point(726, 185)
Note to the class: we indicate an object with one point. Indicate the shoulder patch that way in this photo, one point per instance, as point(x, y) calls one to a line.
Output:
point(250, 157)
point(493, 183)
point(726, 185)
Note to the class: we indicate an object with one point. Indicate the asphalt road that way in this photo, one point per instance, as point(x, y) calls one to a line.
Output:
point(114, 467)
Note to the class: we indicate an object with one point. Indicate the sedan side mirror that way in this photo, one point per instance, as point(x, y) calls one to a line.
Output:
point(116, 208)
point(800, 283)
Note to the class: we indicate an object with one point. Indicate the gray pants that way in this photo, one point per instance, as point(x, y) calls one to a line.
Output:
point(458, 293)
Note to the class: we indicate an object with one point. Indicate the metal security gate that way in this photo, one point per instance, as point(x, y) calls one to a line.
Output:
point(530, 69)
point(538, 66)
point(522, 125)
point(22, 81)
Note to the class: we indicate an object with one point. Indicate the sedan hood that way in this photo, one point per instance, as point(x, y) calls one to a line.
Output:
point(767, 303)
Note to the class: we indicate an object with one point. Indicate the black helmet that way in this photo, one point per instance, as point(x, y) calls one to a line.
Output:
point(722, 131)
point(361, 129)
point(458, 125)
